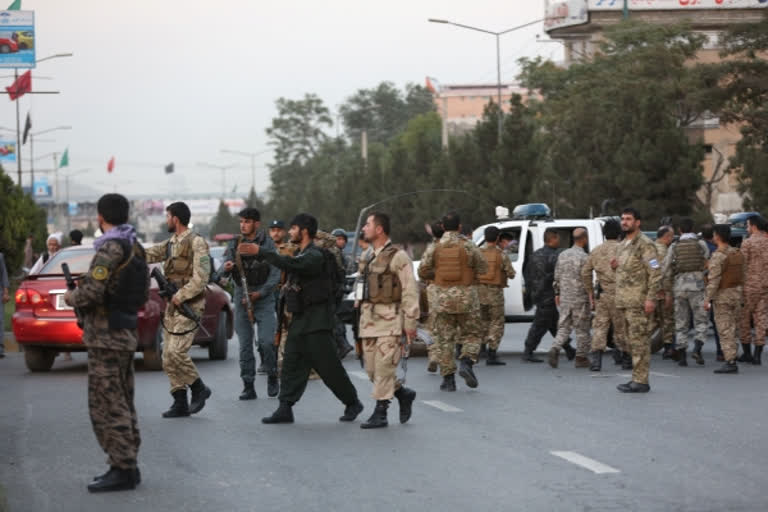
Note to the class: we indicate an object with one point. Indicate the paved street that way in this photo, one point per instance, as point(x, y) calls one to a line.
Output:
point(693, 444)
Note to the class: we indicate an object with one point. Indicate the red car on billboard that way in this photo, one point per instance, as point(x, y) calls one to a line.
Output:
point(8, 45)
point(44, 325)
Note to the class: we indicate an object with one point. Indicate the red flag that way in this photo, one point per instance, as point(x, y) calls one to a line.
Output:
point(429, 86)
point(21, 86)
point(111, 164)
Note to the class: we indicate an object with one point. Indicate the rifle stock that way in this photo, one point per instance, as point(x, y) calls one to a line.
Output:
point(168, 290)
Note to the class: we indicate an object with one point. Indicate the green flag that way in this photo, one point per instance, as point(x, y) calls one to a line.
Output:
point(15, 6)
point(64, 159)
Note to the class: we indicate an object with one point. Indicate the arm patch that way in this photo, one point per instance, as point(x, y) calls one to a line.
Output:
point(100, 273)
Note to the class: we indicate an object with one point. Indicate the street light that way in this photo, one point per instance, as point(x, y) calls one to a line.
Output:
point(223, 169)
point(66, 181)
point(498, 54)
point(253, 161)
point(32, 152)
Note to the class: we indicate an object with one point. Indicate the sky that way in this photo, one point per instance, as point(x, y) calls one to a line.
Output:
point(154, 82)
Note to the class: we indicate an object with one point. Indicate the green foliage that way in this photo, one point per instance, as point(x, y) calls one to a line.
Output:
point(20, 217)
point(223, 222)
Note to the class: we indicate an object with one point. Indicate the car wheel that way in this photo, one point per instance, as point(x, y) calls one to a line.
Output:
point(153, 357)
point(5, 49)
point(217, 349)
point(39, 359)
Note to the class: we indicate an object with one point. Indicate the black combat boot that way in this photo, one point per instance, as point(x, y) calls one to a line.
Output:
point(249, 392)
point(669, 351)
point(728, 367)
point(483, 351)
point(273, 386)
point(449, 383)
point(179, 407)
point(466, 373)
point(379, 417)
point(633, 387)
point(757, 358)
point(626, 361)
point(351, 411)
point(405, 397)
point(696, 354)
point(596, 361)
point(529, 357)
point(493, 359)
point(570, 352)
point(618, 356)
point(136, 474)
point(200, 393)
point(746, 356)
point(458, 350)
point(116, 479)
point(682, 357)
point(553, 357)
point(283, 414)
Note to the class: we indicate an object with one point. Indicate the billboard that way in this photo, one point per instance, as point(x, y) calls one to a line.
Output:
point(17, 39)
point(666, 5)
point(7, 151)
point(41, 189)
point(564, 13)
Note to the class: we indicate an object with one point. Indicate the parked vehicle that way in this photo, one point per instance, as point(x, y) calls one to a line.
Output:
point(8, 45)
point(24, 39)
point(44, 325)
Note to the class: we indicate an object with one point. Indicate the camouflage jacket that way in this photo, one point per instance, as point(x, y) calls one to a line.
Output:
point(731, 296)
point(392, 319)
point(684, 281)
point(494, 295)
point(638, 276)
point(91, 295)
point(755, 251)
point(541, 275)
point(599, 261)
point(567, 283)
point(453, 299)
point(663, 252)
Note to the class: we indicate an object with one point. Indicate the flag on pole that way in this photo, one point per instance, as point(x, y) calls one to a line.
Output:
point(27, 127)
point(64, 159)
point(428, 85)
point(111, 164)
point(169, 168)
point(21, 86)
point(15, 6)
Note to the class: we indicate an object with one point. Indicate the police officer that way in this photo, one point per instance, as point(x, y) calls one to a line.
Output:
point(389, 314)
point(186, 264)
point(310, 341)
point(261, 280)
point(490, 292)
point(108, 299)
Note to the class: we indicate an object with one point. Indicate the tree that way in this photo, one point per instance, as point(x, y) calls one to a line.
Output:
point(298, 130)
point(224, 222)
point(20, 217)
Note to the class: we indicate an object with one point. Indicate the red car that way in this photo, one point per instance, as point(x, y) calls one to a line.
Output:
point(8, 45)
point(44, 325)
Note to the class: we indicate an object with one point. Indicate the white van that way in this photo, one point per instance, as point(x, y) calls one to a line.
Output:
point(527, 226)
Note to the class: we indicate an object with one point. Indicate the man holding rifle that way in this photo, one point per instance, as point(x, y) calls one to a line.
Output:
point(255, 284)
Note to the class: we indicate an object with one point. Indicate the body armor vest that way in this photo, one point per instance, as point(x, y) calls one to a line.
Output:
point(733, 272)
point(128, 287)
point(256, 270)
point(689, 257)
point(452, 265)
point(494, 276)
point(178, 267)
point(383, 285)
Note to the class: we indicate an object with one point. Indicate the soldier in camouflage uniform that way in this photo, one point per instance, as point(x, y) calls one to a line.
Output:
point(108, 298)
point(490, 292)
point(726, 275)
point(663, 317)
point(284, 248)
point(573, 301)
point(755, 251)
point(686, 262)
point(454, 264)
point(604, 303)
point(389, 311)
point(433, 352)
point(638, 279)
point(186, 264)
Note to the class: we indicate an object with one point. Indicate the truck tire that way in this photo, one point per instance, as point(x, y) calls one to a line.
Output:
point(217, 349)
point(39, 359)
point(153, 357)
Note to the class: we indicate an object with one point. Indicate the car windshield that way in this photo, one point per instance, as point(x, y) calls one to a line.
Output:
point(78, 260)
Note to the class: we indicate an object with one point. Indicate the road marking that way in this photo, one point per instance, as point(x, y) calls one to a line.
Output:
point(659, 374)
point(437, 404)
point(585, 462)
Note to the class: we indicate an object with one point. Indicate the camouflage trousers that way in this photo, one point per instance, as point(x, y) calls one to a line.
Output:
point(664, 319)
point(433, 353)
point(755, 311)
point(451, 329)
point(177, 364)
point(689, 304)
point(726, 318)
point(638, 338)
point(492, 321)
point(605, 315)
point(110, 403)
point(381, 356)
point(574, 318)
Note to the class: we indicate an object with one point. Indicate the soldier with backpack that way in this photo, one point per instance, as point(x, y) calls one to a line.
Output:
point(490, 292)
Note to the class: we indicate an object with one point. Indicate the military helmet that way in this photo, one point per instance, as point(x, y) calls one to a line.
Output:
point(339, 232)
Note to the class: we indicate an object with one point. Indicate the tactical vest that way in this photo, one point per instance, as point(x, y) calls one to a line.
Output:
point(305, 291)
point(689, 257)
point(178, 268)
point(733, 271)
point(452, 265)
point(384, 286)
point(494, 276)
point(128, 287)
point(256, 270)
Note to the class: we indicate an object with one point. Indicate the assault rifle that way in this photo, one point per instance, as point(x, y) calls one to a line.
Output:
point(168, 290)
point(247, 297)
point(280, 317)
point(356, 335)
point(71, 285)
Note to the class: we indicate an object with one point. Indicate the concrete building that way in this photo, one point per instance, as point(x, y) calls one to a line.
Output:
point(579, 25)
point(461, 106)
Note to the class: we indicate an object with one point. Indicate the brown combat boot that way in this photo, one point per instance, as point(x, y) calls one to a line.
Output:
point(581, 362)
point(553, 357)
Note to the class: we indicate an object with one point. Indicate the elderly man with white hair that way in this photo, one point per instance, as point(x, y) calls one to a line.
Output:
point(53, 244)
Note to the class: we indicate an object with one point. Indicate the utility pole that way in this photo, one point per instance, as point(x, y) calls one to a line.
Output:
point(625, 10)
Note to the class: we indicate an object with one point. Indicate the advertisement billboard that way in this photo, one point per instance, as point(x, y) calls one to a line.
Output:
point(662, 5)
point(41, 189)
point(564, 13)
point(17, 39)
point(7, 151)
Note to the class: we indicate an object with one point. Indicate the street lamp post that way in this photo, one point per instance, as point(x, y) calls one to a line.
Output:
point(66, 182)
point(498, 55)
point(32, 152)
point(223, 169)
point(253, 161)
